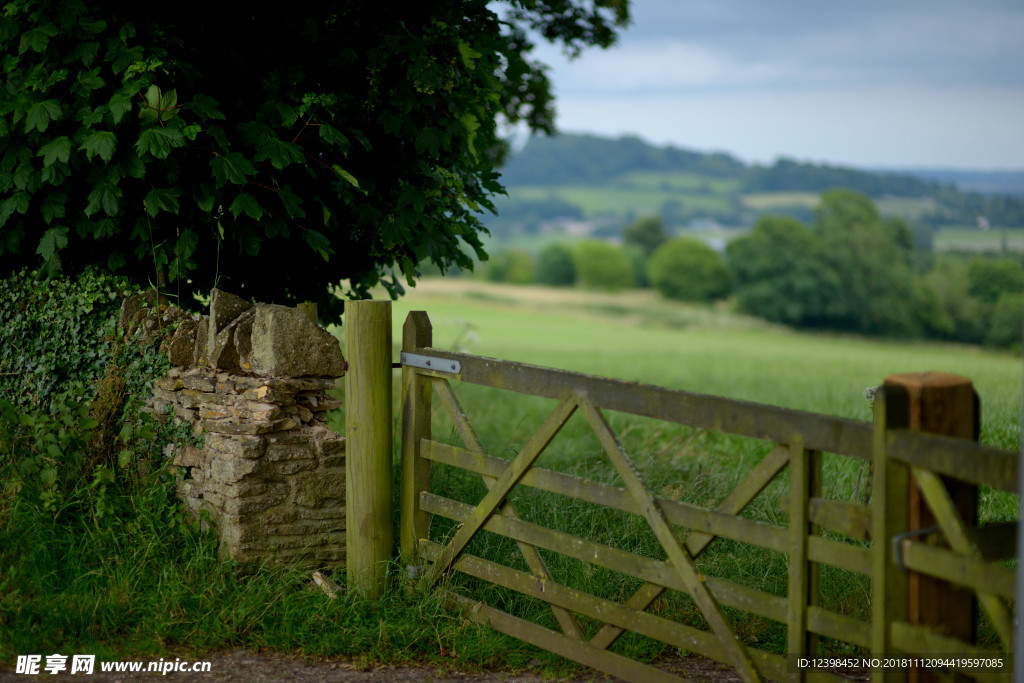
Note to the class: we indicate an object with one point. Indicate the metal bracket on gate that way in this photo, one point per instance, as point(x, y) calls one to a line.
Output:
point(416, 360)
point(897, 542)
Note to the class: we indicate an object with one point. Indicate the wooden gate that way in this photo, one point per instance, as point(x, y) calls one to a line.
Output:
point(820, 531)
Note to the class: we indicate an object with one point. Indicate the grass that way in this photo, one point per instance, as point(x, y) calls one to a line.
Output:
point(623, 199)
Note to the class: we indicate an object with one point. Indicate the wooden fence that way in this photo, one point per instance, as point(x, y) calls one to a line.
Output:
point(905, 563)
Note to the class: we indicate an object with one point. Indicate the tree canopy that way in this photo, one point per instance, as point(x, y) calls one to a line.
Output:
point(277, 153)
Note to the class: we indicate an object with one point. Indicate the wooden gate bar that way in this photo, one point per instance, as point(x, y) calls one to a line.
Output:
point(530, 553)
point(679, 558)
point(960, 569)
point(511, 476)
point(577, 650)
point(416, 399)
point(761, 421)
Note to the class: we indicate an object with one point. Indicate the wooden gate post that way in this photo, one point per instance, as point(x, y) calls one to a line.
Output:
point(946, 404)
point(416, 399)
point(368, 462)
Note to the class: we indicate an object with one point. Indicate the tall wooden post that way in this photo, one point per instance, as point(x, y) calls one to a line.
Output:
point(368, 463)
point(416, 398)
point(946, 404)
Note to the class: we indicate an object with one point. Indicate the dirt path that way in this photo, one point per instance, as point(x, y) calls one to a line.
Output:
point(245, 666)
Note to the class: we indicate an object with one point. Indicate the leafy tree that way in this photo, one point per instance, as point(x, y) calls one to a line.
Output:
point(989, 279)
point(873, 260)
point(1007, 320)
point(511, 265)
point(600, 265)
point(647, 233)
point(555, 266)
point(781, 274)
point(688, 270)
point(278, 153)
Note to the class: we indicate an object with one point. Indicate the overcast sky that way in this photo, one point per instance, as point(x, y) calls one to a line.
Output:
point(897, 83)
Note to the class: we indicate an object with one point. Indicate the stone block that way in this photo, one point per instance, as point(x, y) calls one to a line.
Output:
point(229, 427)
point(335, 513)
point(224, 308)
point(228, 470)
point(293, 466)
point(295, 451)
point(199, 383)
point(285, 343)
point(201, 356)
point(239, 445)
point(280, 517)
point(251, 506)
point(182, 347)
point(169, 384)
point(331, 445)
point(316, 488)
point(190, 456)
point(333, 461)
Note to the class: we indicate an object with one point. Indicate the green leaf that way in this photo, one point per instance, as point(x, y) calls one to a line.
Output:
point(345, 174)
point(100, 143)
point(292, 202)
point(468, 55)
point(204, 106)
point(231, 168)
point(203, 198)
point(49, 475)
point(319, 243)
point(40, 114)
point(103, 196)
point(279, 152)
point(54, 206)
point(124, 458)
point(332, 135)
point(471, 124)
point(58, 148)
point(19, 201)
point(159, 199)
point(53, 239)
point(90, 80)
point(88, 423)
point(37, 39)
point(245, 203)
point(120, 104)
point(159, 141)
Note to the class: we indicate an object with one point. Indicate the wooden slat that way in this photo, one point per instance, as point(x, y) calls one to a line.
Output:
point(576, 650)
point(942, 506)
point(838, 626)
point(820, 432)
point(638, 621)
point(415, 471)
point(850, 519)
point(643, 568)
point(920, 639)
point(957, 458)
point(959, 569)
point(800, 481)
point(509, 478)
point(679, 558)
point(530, 554)
point(892, 479)
point(683, 514)
point(839, 554)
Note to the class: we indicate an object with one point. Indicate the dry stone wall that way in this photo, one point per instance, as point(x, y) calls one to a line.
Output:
point(253, 381)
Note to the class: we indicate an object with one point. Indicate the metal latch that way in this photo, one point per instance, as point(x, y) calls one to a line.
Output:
point(416, 360)
point(897, 542)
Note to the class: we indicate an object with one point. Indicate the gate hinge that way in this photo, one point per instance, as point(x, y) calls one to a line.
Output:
point(416, 360)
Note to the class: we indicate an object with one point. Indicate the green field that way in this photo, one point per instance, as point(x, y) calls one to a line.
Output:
point(962, 238)
point(638, 336)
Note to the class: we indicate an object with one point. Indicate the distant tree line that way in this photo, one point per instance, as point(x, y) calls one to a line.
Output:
point(593, 160)
point(847, 270)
